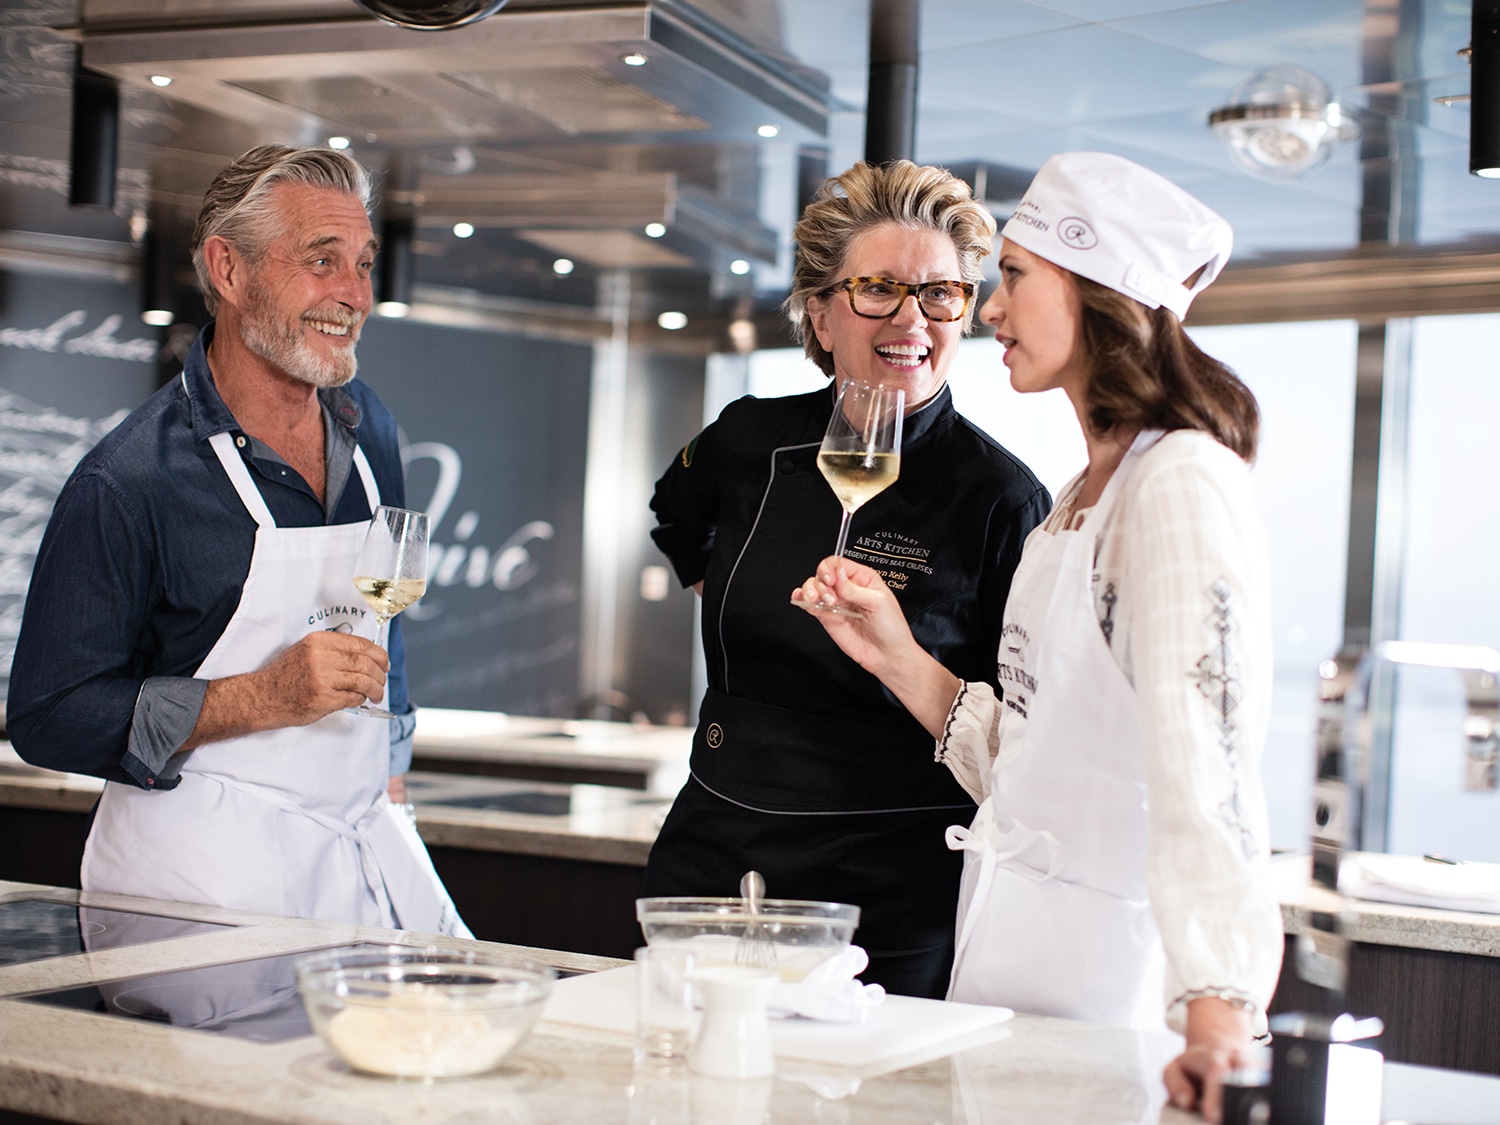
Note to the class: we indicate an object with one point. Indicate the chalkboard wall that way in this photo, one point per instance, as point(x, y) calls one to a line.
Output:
point(74, 359)
point(495, 428)
point(496, 431)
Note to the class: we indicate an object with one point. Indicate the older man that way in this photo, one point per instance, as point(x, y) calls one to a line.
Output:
point(192, 633)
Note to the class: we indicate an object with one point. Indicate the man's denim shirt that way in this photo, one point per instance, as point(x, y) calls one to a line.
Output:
point(141, 569)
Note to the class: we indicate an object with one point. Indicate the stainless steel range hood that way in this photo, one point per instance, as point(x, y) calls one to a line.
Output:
point(525, 78)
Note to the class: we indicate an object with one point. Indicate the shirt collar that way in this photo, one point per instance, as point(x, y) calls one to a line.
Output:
point(207, 413)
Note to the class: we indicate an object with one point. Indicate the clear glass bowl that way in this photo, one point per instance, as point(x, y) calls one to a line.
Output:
point(410, 1012)
point(803, 934)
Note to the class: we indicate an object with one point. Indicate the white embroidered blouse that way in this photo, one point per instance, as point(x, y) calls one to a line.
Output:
point(1182, 596)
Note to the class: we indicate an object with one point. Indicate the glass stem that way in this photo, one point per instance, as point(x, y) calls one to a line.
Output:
point(382, 628)
point(843, 533)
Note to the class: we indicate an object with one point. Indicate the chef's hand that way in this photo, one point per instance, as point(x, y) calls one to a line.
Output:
point(322, 673)
point(879, 634)
point(879, 639)
point(1218, 1034)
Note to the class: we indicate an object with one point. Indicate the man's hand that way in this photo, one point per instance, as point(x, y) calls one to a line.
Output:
point(322, 673)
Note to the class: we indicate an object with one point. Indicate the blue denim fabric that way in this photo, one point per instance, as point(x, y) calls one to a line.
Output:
point(141, 569)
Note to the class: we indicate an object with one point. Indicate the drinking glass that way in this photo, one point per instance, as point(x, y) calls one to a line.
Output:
point(391, 574)
point(861, 453)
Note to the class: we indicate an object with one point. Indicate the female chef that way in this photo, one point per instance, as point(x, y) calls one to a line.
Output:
point(803, 767)
point(1116, 870)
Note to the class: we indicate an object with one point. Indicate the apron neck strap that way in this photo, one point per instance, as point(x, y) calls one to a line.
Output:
point(1143, 441)
point(367, 475)
point(239, 476)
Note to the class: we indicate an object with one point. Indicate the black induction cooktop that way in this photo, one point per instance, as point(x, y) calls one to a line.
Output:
point(32, 929)
point(255, 999)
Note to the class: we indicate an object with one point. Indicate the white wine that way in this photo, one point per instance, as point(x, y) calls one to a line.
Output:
point(856, 477)
point(389, 596)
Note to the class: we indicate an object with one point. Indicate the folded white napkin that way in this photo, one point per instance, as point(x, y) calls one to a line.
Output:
point(829, 992)
point(1414, 881)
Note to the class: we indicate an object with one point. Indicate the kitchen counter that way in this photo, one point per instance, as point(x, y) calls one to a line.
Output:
point(649, 758)
point(75, 1065)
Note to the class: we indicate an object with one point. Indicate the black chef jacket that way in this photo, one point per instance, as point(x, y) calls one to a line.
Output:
point(804, 766)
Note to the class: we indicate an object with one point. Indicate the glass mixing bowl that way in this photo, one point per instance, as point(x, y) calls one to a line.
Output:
point(802, 934)
point(410, 1012)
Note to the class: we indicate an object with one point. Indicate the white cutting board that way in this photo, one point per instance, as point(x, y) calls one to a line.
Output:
point(898, 1027)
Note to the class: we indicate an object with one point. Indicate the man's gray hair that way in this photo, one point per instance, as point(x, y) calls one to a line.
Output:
point(237, 205)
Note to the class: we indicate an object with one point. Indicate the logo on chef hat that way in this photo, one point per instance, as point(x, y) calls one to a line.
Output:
point(1077, 233)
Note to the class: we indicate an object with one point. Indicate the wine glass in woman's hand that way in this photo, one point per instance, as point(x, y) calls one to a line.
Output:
point(391, 574)
point(861, 452)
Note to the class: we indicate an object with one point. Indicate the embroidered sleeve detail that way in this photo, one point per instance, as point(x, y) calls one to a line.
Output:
point(1107, 622)
point(941, 753)
point(1220, 681)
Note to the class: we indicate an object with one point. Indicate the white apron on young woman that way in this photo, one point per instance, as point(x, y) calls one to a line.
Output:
point(1054, 917)
point(294, 821)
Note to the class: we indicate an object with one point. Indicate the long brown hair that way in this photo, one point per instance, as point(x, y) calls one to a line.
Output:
point(1145, 373)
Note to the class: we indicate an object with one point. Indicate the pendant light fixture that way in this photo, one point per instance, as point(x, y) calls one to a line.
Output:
point(92, 154)
point(1282, 123)
point(393, 285)
point(1484, 88)
point(432, 15)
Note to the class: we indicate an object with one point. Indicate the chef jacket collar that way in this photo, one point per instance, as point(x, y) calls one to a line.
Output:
point(207, 413)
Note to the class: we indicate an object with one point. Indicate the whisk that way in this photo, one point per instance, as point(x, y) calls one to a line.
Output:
point(755, 950)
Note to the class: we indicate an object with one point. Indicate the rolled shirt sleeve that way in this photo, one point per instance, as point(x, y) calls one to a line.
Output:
point(74, 690)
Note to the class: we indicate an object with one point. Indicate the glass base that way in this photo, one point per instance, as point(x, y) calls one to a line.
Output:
point(837, 610)
point(370, 710)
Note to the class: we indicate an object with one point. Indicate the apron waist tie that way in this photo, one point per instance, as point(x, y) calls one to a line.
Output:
point(995, 847)
point(358, 831)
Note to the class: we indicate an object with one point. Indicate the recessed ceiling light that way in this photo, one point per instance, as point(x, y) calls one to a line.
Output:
point(739, 266)
point(338, 142)
point(655, 230)
point(463, 230)
point(160, 80)
point(769, 131)
point(562, 267)
point(635, 58)
point(672, 320)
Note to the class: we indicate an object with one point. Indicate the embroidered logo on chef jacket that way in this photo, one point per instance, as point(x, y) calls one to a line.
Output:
point(895, 557)
point(714, 736)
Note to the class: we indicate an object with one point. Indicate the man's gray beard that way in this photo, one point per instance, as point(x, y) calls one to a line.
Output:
point(284, 347)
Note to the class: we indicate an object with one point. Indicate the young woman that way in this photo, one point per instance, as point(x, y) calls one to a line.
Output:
point(1116, 869)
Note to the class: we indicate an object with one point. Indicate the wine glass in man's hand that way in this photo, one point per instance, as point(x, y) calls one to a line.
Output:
point(391, 574)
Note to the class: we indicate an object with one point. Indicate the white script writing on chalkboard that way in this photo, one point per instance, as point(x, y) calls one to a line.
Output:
point(99, 341)
point(38, 449)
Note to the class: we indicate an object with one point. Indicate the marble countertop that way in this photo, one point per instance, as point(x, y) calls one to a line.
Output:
point(75, 1065)
point(658, 754)
point(1384, 923)
point(78, 1066)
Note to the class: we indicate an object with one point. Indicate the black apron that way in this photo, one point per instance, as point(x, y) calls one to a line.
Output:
point(832, 792)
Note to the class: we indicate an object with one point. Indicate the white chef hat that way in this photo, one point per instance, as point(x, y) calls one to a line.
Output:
point(1112, 221)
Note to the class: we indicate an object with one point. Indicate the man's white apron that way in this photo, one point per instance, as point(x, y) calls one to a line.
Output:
point(1053, 914)
point(293, 821)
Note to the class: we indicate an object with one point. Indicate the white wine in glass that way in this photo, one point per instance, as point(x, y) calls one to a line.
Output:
point(861, 452)
point(391, 574)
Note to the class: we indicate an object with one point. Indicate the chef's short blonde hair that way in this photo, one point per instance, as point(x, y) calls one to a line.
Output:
point(237, 206)
point(915, 196)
